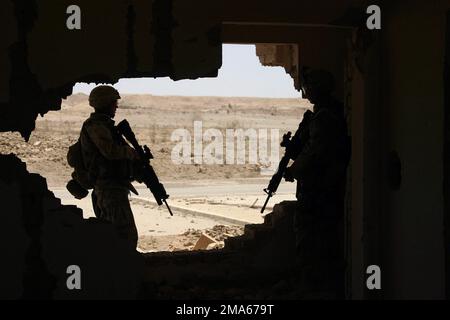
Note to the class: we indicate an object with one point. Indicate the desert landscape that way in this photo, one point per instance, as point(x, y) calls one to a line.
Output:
point(213, 200)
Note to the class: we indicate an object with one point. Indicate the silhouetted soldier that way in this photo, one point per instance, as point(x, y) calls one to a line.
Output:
point(111, 160)
point(320, 171)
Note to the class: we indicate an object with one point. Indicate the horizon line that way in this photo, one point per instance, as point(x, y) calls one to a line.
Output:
point(185, 96)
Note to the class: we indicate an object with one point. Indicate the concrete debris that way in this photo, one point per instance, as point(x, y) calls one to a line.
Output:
point(203, 242)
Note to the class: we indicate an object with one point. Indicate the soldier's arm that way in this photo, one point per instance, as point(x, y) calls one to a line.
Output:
point(322, 134)
point(102, 138)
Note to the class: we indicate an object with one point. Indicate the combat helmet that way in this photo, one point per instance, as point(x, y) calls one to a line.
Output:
point(103, 96)
point(321, 80)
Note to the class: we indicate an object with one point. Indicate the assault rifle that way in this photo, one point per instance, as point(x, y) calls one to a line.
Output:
point(293, 146)
point(150, 178)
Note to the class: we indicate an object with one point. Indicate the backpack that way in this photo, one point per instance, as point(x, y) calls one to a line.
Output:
point(83, 178)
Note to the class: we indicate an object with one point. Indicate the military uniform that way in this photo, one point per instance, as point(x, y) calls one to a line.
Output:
point(110, 159)
point(320, 170)
point(321, 164)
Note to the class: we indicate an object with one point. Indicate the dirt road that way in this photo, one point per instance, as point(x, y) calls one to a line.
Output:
point(214, 209)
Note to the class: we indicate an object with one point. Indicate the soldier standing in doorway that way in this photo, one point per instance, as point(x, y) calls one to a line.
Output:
point(320, 171)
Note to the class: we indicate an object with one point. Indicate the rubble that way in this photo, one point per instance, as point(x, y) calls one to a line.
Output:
point(189, 239)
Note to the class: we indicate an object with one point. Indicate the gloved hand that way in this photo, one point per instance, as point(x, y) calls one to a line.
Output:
point(288, 176)
point(132, 154)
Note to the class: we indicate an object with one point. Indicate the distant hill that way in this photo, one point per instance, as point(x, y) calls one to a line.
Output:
point(75, 99)
point(133, 101)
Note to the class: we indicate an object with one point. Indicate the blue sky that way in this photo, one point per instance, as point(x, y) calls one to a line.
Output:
point(241, 75)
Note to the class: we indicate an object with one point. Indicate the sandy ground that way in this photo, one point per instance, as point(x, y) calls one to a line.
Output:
point(214, 199)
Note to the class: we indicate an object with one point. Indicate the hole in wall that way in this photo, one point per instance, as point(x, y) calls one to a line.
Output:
point(212, 201)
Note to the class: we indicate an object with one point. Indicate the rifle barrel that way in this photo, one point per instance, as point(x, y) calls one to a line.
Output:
point(265, 203)
point(168, 208)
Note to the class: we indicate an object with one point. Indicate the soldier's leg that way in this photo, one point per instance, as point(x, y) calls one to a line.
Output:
point(303, 229)
point(329, 243)
point(116, 209)
point(303, 236)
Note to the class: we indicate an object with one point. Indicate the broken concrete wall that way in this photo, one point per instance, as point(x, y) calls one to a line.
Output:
point(321, 47)
point(40, 239)
point(257, 265)
point(284, 55)
point(43, 59)
point(129, 38)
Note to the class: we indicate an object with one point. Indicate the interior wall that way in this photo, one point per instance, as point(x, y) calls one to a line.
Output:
point(447, 154)
point(355, 212)
point(326, 49)
point(413, 234)
point(364, 54)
